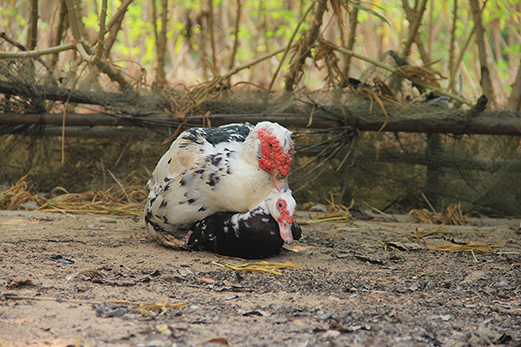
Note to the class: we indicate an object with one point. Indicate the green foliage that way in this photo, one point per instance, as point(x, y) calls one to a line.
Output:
point(268, 25)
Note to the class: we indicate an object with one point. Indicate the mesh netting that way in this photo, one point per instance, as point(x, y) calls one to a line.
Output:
point(392, 171)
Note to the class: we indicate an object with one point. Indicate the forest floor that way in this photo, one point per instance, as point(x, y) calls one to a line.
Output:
point(90, 280)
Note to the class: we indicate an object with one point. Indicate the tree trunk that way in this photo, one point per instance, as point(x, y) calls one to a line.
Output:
point(160, 76)
point(414, 16)
point(514, 100)
point(353, 22)
point(452, 56)
point(479, 31)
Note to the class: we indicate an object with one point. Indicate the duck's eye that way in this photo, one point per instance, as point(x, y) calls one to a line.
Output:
point(271, 146)
point(280, 204)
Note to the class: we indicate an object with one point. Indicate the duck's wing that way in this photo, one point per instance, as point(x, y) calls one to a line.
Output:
point(194, 144)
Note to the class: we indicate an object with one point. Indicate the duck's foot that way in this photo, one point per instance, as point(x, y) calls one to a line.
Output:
point(173, 242)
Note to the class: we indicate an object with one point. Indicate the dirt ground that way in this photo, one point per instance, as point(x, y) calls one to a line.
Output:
point(362, 283)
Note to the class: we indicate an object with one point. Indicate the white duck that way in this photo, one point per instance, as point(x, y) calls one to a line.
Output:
point(229, 168)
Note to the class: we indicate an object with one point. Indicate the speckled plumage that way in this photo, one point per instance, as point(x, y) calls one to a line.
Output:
point(206, 171)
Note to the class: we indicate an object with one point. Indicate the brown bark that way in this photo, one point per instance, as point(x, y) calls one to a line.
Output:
point(479, 31)
point(32, 37)
point(353, 23)
point(160, 76)
point(295, 73)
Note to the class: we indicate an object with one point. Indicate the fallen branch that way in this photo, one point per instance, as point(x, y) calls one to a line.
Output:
point(428, 124)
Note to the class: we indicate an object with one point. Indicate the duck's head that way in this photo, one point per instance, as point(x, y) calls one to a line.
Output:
point(274, 150)
point(282, 207)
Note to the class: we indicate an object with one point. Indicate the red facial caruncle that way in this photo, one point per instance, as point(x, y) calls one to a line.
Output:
point(272, 154)
point(284, 213)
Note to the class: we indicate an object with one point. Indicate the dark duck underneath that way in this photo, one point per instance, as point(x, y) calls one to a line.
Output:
point(251, 235)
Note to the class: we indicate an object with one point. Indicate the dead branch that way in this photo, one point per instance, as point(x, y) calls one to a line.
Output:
point(489, 123)
point(295, 73)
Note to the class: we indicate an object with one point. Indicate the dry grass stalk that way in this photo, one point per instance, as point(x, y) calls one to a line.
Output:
point(453, 216)
point(149, 308)
point(423, 216)
point(18, 195)
point(419, 235)
point(338, 213)
point(373, 96)
point(414, 73)
point(262, 267)
point(109, 201)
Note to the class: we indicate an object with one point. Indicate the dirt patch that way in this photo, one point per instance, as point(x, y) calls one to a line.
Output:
point(72, 280)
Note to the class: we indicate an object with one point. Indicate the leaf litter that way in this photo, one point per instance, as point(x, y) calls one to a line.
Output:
point(262, 267)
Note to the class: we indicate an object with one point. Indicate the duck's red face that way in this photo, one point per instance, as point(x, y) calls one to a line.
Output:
point(285, 220)
point(273, 158)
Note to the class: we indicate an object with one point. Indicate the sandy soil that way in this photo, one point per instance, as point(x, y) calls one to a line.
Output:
point(349, 290)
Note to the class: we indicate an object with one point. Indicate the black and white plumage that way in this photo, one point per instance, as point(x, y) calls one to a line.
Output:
point(231, 168)
point(251, 235)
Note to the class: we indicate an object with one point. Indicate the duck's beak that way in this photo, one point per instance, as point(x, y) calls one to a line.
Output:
point(285, 232)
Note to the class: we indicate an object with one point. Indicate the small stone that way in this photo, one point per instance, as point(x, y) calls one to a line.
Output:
point(331, 334)
point(413, 288)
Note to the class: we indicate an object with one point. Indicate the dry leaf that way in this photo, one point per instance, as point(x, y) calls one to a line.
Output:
point(263, 267)
point(219, 340)
point(16, 284)
point(148, 308)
